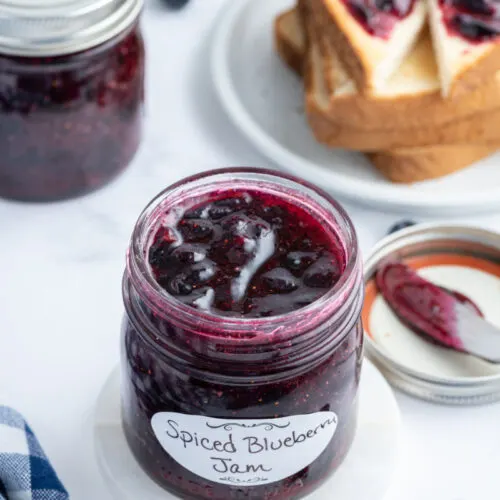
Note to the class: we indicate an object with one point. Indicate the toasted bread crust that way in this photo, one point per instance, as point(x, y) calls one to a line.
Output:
point(289, 53)
point(472, 77)
point(477, 129)
point(352, 58)
point(481, 128)
point(422, 164)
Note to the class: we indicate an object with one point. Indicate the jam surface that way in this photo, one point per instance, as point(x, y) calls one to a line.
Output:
point(425, 308)
point(378, 17)
point(475, 20)
point(70, 124)
point(246, 254)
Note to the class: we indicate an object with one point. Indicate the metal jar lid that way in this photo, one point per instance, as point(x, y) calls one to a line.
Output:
point(57, 27)
point(420, 241)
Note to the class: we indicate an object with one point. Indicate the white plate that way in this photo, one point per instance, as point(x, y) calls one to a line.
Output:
point(264, 100)
point(366, 472)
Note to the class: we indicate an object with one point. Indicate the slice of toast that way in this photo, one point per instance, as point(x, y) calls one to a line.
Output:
point(412, 96)
point(370, 59)
point(481, 128)
point(405, 165)
point(422, 164)
point(290, 39)
point(464, 63)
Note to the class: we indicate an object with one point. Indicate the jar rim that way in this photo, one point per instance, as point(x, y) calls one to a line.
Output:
point(139, 268)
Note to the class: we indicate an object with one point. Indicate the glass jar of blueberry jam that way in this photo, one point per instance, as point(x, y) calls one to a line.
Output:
point(242, 340)
point(71, 95)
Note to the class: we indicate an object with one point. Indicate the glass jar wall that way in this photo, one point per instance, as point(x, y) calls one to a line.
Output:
point(229, 401)
point(70, 122)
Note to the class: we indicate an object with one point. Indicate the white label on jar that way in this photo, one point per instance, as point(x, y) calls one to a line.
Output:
point(244, 452)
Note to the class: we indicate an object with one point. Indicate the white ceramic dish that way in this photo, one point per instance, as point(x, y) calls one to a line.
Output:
point(264, 100)
point(366, 473)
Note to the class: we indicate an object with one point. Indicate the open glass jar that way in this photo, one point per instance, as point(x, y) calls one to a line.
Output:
point(71, 95)
point(230, 401)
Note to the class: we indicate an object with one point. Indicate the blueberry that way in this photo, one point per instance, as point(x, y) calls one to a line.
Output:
point(159, 254)
point(196, 229)
point(200, 273)
point(280, 280)
point(248, 227)
point(232, 249)
point(175, 4)
point(322, 274)
point(189, 254)
point(384, 5)
point(403, 224)
point(474, 29)
point(196, 213)
point(299, 261)
point(475, 6)
point(306, 244)
point(219, 211)
point(402, 7)
point(178, 285)
point(225, 207)
point(361, 11)
point(238, 255)
point(274, 214)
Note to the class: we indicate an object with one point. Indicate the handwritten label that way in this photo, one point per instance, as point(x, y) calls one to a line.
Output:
point(244, 452)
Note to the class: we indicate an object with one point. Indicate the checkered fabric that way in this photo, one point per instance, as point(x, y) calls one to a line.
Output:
point(25, 472)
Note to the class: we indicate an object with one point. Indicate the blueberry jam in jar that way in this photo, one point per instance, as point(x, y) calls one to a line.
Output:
point(71, 95)
point(242, 339)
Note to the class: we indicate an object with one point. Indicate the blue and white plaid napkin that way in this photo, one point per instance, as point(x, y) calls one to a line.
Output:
point(25, 472)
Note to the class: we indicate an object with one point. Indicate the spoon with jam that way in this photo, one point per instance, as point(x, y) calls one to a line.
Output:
point(439, 315)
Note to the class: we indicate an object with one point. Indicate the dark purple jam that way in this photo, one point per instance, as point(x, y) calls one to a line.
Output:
point(427, 309)
point(240, 255)
point(70, 124)
point(378, 17)
point(246, 254)
point(475, 20)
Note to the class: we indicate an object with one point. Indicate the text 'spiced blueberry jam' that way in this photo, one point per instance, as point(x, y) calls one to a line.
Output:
point(247, 254)
point(242, 343)
point(69, 124)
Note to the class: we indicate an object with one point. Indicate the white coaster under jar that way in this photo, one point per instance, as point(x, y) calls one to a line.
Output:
point(366, 473)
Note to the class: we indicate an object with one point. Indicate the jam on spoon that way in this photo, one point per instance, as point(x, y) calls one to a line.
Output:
point(425, 308)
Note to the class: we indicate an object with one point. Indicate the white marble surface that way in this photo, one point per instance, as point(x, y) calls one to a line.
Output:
point(61, 266)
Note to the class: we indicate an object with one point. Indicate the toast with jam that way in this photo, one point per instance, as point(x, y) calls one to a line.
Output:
point(411, 97)
point(480, 128)
point(372, 38)
point(404, 165)
point(466, 37)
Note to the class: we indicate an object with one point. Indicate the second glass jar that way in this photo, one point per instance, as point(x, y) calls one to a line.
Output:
point(70, 114)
